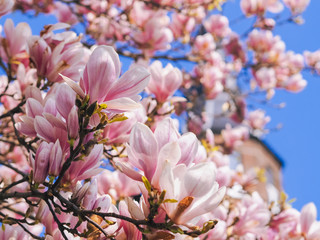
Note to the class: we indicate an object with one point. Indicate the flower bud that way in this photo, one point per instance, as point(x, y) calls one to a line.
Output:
point(73, 123)
point(41, 163)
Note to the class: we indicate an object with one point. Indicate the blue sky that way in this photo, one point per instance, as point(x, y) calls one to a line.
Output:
point(298, 141)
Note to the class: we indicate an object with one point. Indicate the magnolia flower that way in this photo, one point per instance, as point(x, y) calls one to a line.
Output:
point(118, 132)
point(148, 151)
point(253, 216)
point(101, 81)
point(266, 78)
point(130, 231)
point(116, 184)
point(313, 59)
point(296, 6)
point(164, 81)
point(6, 6)
point(204, 44)
point(218, 25)
point(15, 48)
point(194, 188)
point(310, 227)
point(258, 7)
point(55, 54)
point(257, 119)
point(233, 137)
point(48, 160)
point(86, 168)
point(182, 25)
point(295, 83)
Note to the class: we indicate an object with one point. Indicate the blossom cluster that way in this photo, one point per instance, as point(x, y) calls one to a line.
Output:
point(91, 152)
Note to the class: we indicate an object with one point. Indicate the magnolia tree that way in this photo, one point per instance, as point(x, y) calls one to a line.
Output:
point(83, 157)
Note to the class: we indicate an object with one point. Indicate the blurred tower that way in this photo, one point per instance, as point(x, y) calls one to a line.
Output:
point(257, 153)
point(254, 153)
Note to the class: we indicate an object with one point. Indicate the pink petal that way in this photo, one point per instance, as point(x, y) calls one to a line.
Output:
point(33, 92)
point(134, 209)
point(145, 148)
point(128, 171)
point(166, 132)
point(189, 148)
point(101, 71)
point(131, 83)
point(73, 85)
point(54, 121)
point(44, 129)
point(308, 216)
point(33, 108)
point(50, 106)
point(169, 153)
point(123, 104)
point(55, 159)
point(199, 179)
point(26, 127)
point(65, 99)
point(314, 231)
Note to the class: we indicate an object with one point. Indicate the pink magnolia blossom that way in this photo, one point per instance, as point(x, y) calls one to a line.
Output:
point(148, 151)
point(26, 77)
point(73, 123)
point(8, 176)
point(40, 163)
point(296, 6)
point(100, 81)
point(284, 224)
point(49, 119)
point(118, 132)
point(234, 47)
point(265, 23)
point(253, 216)
point(14, 90)
point(294, 62)
point(218, 25)
point(88, 167)
point(57, 53)
point(310, 227)
point(204, 44)
point(295, 83)
point(266, 78)
point(6, 6)
point(182, 25)
point(44, 215)
point(156, 35)
point(257, 119)
point(65, 99)
point(64, 14)
point(140, 13)
point(14, 46)
point(258, 7)
point(164, 81)
point(194, 189)
point(233, 137)
point(116, 184)
point(48, 161)
point(268, 47)
point(126, 208)
point(313, 59)
point(212, 81)
point(56, 159)
point(106, 27)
